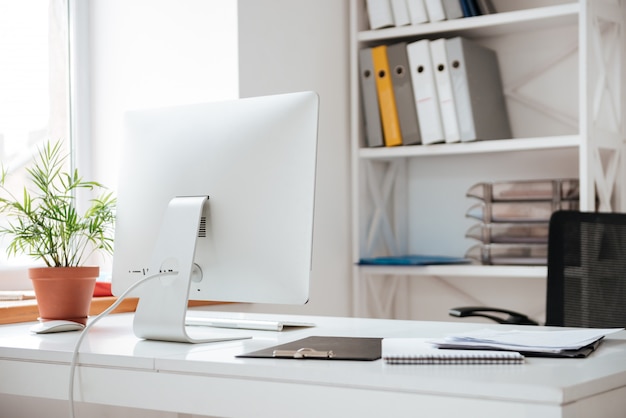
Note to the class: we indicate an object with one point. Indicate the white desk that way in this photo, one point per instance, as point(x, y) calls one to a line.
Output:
point(116, 368)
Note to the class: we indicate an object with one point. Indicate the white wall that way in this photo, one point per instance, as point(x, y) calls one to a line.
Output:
point(146, 53)
point(292, 45)
point(150, 53)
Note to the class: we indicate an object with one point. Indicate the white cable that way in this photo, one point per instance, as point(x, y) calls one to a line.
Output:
point(92, 322)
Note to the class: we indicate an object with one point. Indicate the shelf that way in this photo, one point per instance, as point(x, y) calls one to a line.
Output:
point(479, 147)
point(482, 26)
point(563, 77)
point(507, 272)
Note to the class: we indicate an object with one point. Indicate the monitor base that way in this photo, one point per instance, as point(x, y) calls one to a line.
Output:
point(162, 305)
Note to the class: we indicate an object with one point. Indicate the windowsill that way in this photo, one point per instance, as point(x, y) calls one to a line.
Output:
point(12, 312)
point(15, 311)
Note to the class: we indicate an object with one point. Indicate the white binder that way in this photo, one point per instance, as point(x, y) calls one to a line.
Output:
point(425, 92)
point(417, 12)
point(435, 10)
point(400, 11)
point(380, 14)
point(447, 104)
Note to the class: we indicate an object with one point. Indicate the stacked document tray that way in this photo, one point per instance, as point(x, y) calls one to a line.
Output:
point(513, 219)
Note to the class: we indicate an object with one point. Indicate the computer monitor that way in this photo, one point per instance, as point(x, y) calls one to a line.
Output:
point(218, 197)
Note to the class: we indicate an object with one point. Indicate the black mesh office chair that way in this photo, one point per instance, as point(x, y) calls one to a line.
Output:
point(586, 274)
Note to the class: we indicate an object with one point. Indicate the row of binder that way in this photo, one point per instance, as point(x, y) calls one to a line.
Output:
point(432, 91)
point(390, 13)
point(514, 219)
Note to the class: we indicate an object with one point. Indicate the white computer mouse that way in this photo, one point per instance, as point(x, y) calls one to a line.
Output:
point(57, 325)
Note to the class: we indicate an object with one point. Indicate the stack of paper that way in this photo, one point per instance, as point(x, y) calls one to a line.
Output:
point(546, 342)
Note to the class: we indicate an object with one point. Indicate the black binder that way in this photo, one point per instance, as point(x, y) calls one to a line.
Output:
point(324, 348)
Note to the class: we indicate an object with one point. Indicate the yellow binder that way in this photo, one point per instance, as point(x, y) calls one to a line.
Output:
point(386, 97)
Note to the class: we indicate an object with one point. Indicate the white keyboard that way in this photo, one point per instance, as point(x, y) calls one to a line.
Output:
point(195, 319)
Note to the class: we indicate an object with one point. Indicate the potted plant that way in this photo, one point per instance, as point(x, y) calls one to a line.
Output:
point(44, 223)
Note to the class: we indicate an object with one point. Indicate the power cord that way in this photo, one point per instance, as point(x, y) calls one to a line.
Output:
point(83, 333)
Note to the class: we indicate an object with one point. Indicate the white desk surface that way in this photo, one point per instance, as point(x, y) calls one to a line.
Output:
point(116, 368)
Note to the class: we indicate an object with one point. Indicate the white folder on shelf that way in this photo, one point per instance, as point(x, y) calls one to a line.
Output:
point(417, 12)
point(435, 10)
point(400, 11)
point(444, 90)
point(379, 13)
point(425, 92)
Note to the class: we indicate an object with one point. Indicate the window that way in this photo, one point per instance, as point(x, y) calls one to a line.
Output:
point(93, 50)
point(34, 86)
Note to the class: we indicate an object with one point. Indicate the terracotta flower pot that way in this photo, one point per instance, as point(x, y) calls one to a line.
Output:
point(64, 292)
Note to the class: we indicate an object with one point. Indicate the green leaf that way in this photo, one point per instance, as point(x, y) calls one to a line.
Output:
point(45, 223)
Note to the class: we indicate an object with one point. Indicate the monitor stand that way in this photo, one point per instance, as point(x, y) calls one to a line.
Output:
point(162, 306)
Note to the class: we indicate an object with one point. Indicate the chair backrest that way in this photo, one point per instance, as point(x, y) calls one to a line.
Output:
point(587, 270)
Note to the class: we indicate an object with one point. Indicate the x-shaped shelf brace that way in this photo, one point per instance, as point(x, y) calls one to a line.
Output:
point(386, 230)
point(606, 144)
point(388, 295)
point(384, 198)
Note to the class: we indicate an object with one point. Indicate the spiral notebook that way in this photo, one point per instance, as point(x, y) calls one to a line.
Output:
point(419, 351)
